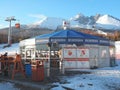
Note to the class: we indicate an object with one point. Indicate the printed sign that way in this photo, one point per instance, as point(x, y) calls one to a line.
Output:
point(69, 53)
point(76, 58)
point(82, 53)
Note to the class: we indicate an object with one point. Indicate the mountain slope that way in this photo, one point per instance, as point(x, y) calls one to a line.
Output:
point(77, 21)
point(108, 22)
point(47, 22)
point(99, 21)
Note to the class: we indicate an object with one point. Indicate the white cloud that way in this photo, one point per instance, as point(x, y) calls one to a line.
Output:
point(39, 16)
point(3, 26)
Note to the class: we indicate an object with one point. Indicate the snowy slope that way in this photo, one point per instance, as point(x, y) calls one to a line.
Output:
point(11, 50)
point(47, 22)
point(7, 86)
point(105, 79)
point(108, 22)
point(81, 21)
point(77, 21)
point(100, 21)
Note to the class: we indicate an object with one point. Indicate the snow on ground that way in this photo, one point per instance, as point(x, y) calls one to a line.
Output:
point(98, 79)
point(11, 50)
point(107, 78)
point(7, 86)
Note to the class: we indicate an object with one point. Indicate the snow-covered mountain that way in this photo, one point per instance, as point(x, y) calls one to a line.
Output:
point(47, 22)
point(83, 21)
point(79, 20)
point(108, 22)
point(99, 21)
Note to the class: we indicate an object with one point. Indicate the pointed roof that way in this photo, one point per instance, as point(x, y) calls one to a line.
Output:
point(70, 37)
point(67, 34)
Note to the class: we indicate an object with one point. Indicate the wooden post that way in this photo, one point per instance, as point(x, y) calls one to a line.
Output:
point(60, 65)
point(0, 68)
point(48, 63)
point(63, 68)
point(62, 61)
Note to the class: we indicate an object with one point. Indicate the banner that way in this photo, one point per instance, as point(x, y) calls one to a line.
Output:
point(76, 57)
point(75, 53)
point(82, 53)
point(69, 53)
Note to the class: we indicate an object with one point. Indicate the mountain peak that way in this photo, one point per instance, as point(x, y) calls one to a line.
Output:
point(81, 21)
point(109, 22)
point(48, 22)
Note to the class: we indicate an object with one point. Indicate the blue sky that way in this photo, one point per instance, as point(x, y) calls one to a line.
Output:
point(29, 11)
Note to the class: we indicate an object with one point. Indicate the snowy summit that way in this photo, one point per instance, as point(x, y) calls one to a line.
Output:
point(47, 22)
point(79, 20)
point(108, 22)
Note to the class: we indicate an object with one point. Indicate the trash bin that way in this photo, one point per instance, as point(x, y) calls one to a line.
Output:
point(37, 70)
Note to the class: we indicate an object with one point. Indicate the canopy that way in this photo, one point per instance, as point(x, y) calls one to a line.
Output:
point(70, 37)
